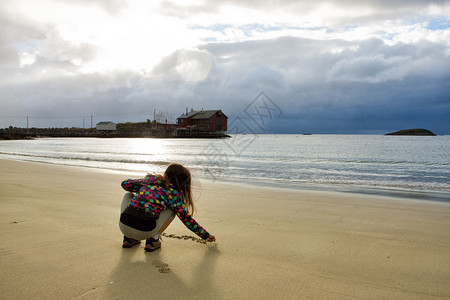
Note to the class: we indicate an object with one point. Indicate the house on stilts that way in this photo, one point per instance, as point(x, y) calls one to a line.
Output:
point(202, 123)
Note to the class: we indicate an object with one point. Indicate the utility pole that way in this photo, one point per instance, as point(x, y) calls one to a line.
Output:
point(91, 123)
point(27, 122)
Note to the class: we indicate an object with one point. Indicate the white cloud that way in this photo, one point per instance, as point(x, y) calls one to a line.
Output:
point(27, 58)
point(193, 65)
point(109, 35)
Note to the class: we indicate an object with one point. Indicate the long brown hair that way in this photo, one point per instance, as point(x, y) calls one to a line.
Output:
point(180, 178)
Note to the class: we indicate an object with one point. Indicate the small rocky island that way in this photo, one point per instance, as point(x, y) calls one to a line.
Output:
point(418, 132)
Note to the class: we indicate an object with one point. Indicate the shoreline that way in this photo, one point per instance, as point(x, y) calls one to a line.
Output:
point(60, 222)
point(392, 192)
point(395, 192)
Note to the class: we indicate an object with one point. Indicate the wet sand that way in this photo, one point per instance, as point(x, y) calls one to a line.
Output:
point(60, 240)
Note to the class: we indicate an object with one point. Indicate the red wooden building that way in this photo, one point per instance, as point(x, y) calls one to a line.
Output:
point(204, 120)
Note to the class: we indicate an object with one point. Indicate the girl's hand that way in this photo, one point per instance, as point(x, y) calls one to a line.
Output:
point(211, 238)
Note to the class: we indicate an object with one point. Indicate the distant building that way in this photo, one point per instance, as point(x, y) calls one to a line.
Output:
point(106, 126)
point(204, 120)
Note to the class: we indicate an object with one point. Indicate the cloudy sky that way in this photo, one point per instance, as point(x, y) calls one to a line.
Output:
point(348, 66)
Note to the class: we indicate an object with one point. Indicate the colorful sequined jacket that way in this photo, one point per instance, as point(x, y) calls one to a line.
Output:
point(154, 194)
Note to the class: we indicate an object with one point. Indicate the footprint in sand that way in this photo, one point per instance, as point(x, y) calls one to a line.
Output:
point(162, 267)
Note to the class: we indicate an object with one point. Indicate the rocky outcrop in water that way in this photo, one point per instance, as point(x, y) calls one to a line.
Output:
point(417, 132)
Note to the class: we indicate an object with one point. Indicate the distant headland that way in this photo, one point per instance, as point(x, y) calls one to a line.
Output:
point(417, 132)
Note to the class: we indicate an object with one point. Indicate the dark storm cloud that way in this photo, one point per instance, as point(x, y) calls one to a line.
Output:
point(367, 86)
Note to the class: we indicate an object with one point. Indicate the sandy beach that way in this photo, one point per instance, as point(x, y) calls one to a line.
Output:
point(60, 240)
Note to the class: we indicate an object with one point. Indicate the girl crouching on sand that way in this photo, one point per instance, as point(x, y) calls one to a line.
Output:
point(148, 212)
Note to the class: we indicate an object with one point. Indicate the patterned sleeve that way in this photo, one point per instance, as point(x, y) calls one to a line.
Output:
point(180, 209)
point(132, 185)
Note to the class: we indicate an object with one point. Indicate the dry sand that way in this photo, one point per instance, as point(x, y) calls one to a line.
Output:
point(60, 240)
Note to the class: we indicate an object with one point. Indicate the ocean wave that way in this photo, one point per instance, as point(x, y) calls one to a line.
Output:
point(125, 160)
point(410, 187)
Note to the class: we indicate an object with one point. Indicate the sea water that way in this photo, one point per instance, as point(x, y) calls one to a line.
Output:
point(411, 166)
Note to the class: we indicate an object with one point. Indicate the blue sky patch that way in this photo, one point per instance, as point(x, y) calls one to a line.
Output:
point(439, 24)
